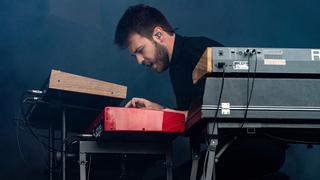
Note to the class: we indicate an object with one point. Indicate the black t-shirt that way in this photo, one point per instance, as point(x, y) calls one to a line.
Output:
point(186, 54)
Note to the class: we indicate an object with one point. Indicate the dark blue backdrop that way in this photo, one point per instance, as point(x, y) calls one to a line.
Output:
point(77, 36)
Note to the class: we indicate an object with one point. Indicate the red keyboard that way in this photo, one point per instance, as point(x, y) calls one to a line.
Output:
point(119, 119)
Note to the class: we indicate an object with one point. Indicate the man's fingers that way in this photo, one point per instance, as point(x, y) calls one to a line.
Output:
point(136, 102)
point(132, 103)
point(143, 103)
point(129, 104)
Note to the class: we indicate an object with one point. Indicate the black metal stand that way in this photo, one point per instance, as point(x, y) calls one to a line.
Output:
point(195, 153)
point(91, 147)
point(210, 159)
point(63, 147)
point(210, 173)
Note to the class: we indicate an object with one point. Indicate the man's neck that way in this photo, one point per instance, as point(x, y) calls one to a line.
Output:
point(170, 46)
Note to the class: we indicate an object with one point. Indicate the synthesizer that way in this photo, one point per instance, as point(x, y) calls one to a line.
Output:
point(117, 120)
point(266, 62)
point(81, 96)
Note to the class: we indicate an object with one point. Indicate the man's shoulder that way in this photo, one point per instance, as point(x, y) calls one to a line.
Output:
point(201, 41)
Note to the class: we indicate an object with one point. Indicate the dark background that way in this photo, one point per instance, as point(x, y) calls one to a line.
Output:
point(76, 36)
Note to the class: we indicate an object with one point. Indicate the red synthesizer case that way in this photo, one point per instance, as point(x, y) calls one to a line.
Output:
point(120, 120)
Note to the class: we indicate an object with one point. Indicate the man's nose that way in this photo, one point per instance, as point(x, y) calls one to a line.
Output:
point(140, 59)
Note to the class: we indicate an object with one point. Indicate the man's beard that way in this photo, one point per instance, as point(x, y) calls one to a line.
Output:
point(161, 57)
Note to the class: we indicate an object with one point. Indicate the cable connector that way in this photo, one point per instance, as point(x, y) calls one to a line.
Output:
point(86, 135)
point(247, 52)
point(32, 99)
point(35, 91)
point(221, 65)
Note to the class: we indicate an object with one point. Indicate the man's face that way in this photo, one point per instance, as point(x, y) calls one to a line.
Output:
point(148, 52)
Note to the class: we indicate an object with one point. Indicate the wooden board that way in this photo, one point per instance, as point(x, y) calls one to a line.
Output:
point(204, 66)
point(74, 83)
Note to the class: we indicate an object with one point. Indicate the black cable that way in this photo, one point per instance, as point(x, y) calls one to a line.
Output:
point(24, 116)
point(35, 135)
point(248, 89)
point(248, 82)
point(219, 100)
point(20, 148)
point(21, 128)
point(28, 124)
point(215, 123)
point(249, 95)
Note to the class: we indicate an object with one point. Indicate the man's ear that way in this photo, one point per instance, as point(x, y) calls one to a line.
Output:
point(158, 34)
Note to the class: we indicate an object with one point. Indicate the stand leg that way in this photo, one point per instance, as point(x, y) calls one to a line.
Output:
point(225, 147)
point(51, 150)
point(63, 139)
point(210, 170)
point(169, 163)
point(82, 164)
point(195, 148)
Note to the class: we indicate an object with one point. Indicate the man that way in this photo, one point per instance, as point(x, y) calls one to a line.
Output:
point(153, 42)
point(149, 37)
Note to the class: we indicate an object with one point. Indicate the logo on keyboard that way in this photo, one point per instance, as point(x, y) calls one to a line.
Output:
point(315, 54)
point(240, 65)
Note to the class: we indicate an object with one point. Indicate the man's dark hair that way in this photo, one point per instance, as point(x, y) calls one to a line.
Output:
point(140, 19)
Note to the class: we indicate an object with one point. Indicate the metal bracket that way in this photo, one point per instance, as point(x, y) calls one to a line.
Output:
point(225, 108)
point(251, 130)
point(213, 145)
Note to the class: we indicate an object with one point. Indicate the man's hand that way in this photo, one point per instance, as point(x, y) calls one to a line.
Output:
point(143, 103)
